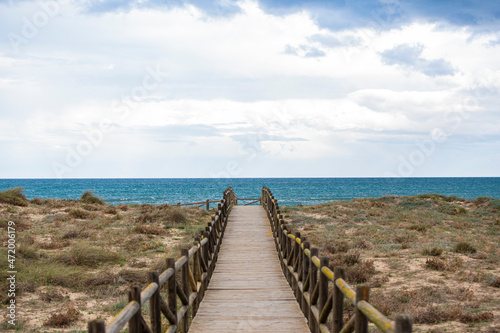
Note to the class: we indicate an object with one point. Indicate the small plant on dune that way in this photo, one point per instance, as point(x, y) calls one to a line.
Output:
point(78, 213)
point(122, 207)
point(176, 215)
point(419, 227)
point(495, 282)
point(452, 210)
point(100, 279)
point(90, 198)
point(14, 196)
point(465, 248)
point(53, 244)
point(432, 251)
point(443, 264)
point(51, 295)
point(149, 230)
point(361, 272)
point(436, 264)
point(434, 314)
point(63, 319)
point(37, 201)
point(82, 254)
point(110, 210)
point(72, 234)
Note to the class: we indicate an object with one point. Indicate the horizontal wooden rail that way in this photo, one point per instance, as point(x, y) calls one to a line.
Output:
point(254, 200)
point(319, 290)
point(185, 279)
point(199, 203)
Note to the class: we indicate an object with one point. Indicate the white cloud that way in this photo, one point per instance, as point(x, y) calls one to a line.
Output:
point(331, 89)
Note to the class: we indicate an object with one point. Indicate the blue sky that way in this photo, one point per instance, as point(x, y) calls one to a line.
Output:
point(150, 88)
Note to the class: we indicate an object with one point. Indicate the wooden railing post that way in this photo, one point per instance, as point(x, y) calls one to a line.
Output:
point(172, 290)
point(360, 321)
point(186, 289)
point(134, 324)
point(338, 301)
point(96, 326)
point(206, 252)
point(305, 273)
point(208, 204)
point(154, 304)
point(323, 287)
point(197, 277)
point(296, 250)
point(313, 278)
point(403, 324)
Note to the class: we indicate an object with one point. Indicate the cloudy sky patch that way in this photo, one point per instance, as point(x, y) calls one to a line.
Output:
point(327, 88)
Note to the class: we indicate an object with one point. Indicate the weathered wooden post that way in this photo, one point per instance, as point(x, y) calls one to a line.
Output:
point(313, 278)
point(134, 324)
point(323, 289)
point(208, 204)
point(96, 326)
point(338, 301)
point(186, 289)
point(305, 277)
point(361, 321)
point(206, 252)
point(295, 283)
point(154, 304)
point(403, 324)
point(197, 276)
point(172, 290)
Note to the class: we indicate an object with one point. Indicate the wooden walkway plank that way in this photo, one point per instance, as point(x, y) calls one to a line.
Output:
point(248, 292)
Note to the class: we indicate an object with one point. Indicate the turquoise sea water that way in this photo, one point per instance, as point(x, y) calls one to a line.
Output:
point(288, 191)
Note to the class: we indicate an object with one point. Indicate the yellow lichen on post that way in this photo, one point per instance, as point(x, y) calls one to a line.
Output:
point(346, 290)
point(376, 317)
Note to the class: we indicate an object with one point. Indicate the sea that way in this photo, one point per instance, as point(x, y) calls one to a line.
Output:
point(288, 191)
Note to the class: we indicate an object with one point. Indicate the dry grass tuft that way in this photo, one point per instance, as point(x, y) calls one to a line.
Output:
point(13, 196)
point(465, 248)
point(495, 282)
point(78, 213)
point(101, 278)
point(444, 264)
point(129, 276)
point(53, 244)
point(176, 215)
point(432, 251)
point(337, 247)
point(360, 272)
point(52, 295)
point(110, 210)
point(122, 207)
point(37, 201)
point(435, 314)
point(149, 229)
point(74, 233)
point(82, 254)
point(89, 198)
point(63, 319)
point(452, 210)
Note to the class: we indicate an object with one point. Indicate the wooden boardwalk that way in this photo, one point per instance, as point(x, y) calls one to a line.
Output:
point(248, 292)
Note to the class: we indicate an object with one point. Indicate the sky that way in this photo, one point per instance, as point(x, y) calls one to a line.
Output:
point(223, 88)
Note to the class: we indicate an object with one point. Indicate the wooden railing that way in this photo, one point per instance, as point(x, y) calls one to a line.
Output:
point(184, 280)
point(199, 204)
point(207, 202)
point(319, 291)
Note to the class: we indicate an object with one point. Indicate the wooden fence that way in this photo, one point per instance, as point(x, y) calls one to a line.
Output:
point(185, 280)
point(319, 291)
point(207, 202)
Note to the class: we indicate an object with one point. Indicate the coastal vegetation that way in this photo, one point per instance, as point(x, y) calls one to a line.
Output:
point(434, 257)
point(431, 256)
point(77, 258)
